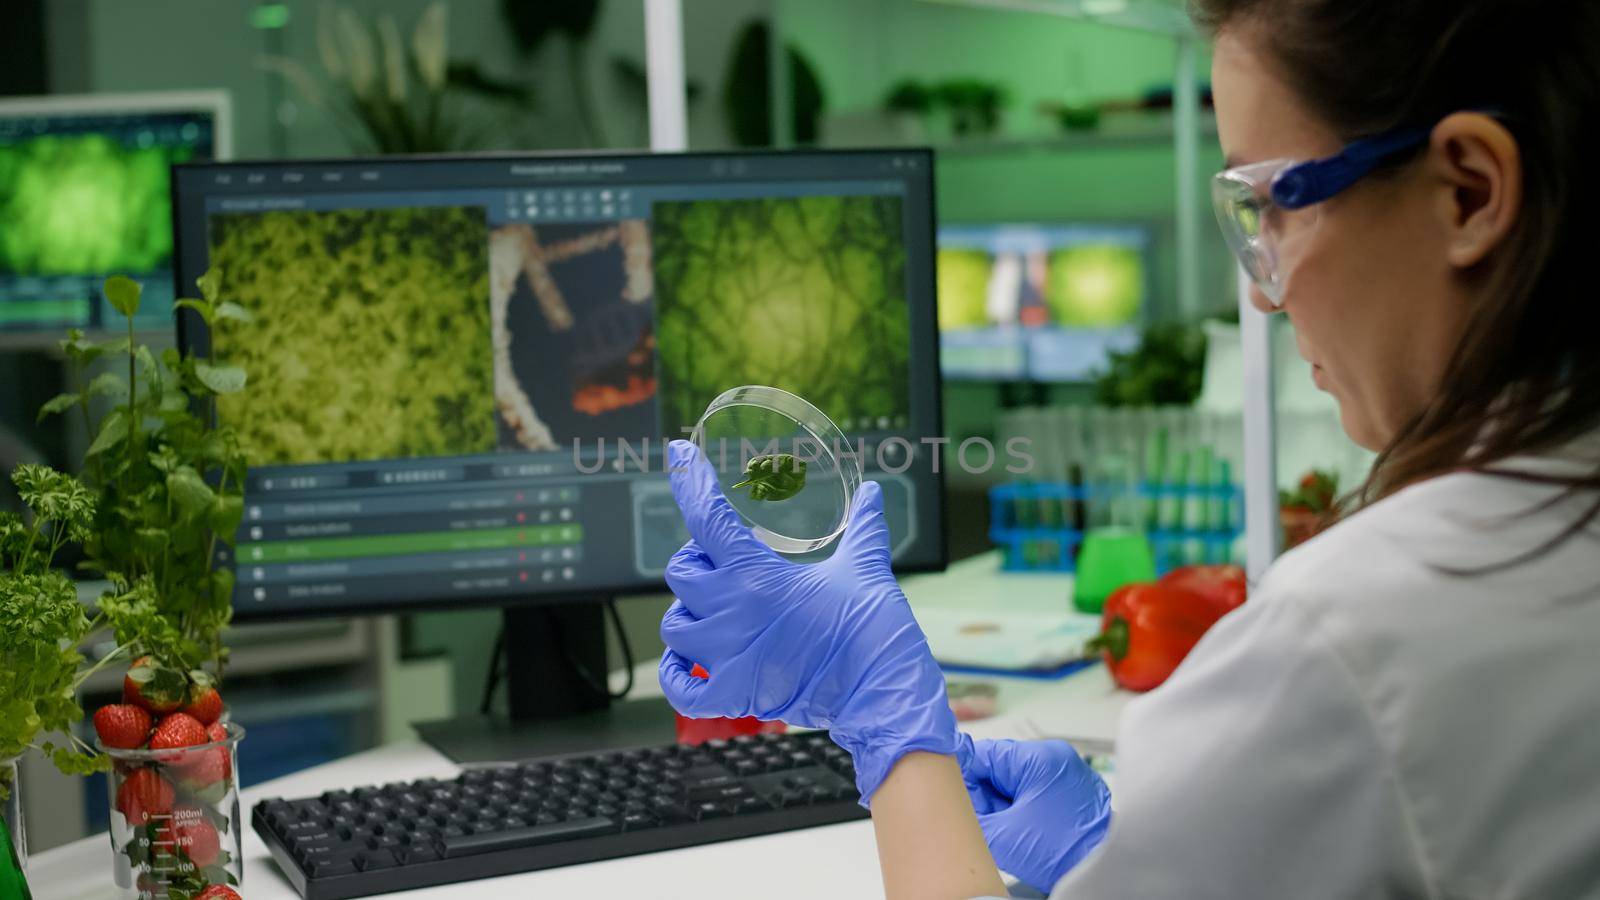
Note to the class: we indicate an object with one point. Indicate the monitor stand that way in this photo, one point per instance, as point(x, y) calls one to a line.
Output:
point(556, 677)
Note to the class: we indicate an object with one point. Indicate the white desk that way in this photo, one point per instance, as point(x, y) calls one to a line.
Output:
point(834, 861)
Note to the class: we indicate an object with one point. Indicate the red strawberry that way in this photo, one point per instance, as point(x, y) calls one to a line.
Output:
point(150, 686)
point(205, 704)
point(144, 794)
point(218, 892)
point(177, 730)
point(699, 671)
point(216, 732)
point(207, 768)
point(191, 832)
point(122, 725)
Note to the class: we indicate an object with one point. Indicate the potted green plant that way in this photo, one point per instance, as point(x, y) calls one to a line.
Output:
point(1166, 369)
point(166, 485)
point(396, 93)
point(40, 665)
point(169, 484)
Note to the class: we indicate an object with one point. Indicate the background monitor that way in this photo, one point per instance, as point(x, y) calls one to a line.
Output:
point(463, 371)
point(1039, 302)
point(85, 193)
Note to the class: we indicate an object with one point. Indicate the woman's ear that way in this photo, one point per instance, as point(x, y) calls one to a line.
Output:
point(1479, 166)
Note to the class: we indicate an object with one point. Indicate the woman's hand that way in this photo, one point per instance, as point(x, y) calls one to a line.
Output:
point(830, 645)
point(1041, 807)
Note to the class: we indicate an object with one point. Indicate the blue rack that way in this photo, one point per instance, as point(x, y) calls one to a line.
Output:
point(1034, 523)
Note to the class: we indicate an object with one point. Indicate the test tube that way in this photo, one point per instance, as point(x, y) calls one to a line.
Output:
point(1170, 516)
point(1196, 492)
point(1155, 464)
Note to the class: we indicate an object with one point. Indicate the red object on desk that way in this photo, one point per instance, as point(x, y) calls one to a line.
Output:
point(1148, 629)
point(698, 731)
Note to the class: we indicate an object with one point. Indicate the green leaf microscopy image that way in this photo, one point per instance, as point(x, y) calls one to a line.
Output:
point(370, 333)
point(806, 294)
point(963, 287)
point(1095, 286)
point(84, 203)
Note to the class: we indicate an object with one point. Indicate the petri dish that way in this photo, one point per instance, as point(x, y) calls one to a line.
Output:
point(752, 421)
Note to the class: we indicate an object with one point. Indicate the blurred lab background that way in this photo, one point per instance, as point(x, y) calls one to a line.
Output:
point(1085, 301)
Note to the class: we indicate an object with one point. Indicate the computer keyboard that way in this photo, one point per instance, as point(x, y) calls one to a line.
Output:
point(555, 812)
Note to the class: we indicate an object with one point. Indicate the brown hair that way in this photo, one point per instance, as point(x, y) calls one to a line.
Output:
point(1525, 377)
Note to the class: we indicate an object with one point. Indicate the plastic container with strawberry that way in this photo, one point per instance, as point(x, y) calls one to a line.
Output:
point(173, 786)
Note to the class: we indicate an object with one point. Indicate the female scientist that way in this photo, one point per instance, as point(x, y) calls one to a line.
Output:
point(1409, 705)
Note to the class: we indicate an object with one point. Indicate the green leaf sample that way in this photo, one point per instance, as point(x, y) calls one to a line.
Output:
point(773, 476)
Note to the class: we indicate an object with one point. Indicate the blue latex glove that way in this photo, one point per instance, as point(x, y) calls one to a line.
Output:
point(828, 645)
point(1041, 807)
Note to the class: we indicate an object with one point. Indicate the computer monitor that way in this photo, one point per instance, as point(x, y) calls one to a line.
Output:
point(84, 193)
point(1039, 302)
point(463, 370)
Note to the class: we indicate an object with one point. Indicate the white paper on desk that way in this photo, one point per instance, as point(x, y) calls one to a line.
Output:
point(1010, 640)
point(1085, 708)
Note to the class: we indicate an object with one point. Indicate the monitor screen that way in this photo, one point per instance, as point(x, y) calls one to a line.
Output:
point(1039, 302)
point(85, 193)
point(463, 371)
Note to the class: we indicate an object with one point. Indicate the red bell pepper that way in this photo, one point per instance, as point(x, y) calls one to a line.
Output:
point(1147, 629)
point(1222, 583)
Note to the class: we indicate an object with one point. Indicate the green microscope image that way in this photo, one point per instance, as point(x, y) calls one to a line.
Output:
point(807, 294)
point(370, 337)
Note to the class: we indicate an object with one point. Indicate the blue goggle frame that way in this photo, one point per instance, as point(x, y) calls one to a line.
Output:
point(1312, 182)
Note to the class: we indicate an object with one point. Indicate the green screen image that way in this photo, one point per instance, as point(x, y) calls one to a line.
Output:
point(806, 294)
point(370, 336)
point(85, 203)
point(963, 287)
point(1095, 285)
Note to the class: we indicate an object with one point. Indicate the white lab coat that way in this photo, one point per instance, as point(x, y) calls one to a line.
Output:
point(1369, 726)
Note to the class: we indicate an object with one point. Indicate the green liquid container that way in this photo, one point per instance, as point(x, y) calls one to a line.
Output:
point(1111, 557)
point(13, 883)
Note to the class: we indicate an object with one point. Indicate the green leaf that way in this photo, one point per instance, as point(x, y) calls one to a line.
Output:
point(221, 379)
point(773, 477)
point(225, 515)
point(108, 384)
point(152, 540)
point(114, 346)
point(173, 401)
point(113, 429)
point(189, 491)
point(210, 284)
point(160, 684)
point(75, 347)
point(123, 292)
point(222, 582)
point(146, 358)
point(60, 403)
point(233, 312)
point(71, 763)
point(199, 306)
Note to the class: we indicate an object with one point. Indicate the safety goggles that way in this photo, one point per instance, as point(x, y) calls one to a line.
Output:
point(1254, 202)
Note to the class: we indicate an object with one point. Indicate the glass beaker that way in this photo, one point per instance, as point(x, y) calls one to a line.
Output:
point(1115, 549)
point(13, 836)
point(175, 818)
